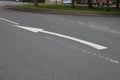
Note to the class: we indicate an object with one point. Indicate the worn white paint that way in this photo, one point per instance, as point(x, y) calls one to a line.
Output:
point(9, 21)
point(95, 54)
point(80, 23)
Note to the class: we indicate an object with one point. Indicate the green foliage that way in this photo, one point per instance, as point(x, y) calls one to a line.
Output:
point(40, 1)
point(78, 9)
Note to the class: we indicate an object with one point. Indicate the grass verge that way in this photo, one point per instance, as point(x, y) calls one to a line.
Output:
point(67, 8)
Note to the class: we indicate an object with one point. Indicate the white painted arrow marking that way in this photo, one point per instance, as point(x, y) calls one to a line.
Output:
point(35, 30)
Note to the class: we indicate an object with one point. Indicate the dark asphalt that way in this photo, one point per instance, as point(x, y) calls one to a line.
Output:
point(25, 55)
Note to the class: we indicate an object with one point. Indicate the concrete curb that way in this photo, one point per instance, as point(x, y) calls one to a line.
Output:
point(14, 7)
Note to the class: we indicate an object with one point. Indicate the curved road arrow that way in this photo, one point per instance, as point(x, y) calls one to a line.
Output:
point(35, 30)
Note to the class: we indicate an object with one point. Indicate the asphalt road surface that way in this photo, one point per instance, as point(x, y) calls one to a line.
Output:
point(58, 47)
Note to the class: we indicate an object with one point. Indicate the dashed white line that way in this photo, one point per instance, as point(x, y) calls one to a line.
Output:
point(80, 23)
point(97, 55)
point(84, 50)
point(74, 47)
point(91, 26)
point(106, 58)
point(49, 38)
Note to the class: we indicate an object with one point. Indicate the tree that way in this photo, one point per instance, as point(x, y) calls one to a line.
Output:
point(90, 4)
point(55, 2)
point(108, 5)
point(73, 4)
point(117, 4)
point(36, 3)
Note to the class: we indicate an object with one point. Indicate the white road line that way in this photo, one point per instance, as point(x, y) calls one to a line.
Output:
point(97, 55)
point(92, 26)
point(35, 30)
point(75, 48)
point(49, 38)
point(106, 58)
point(9, 21)
point(80, 23)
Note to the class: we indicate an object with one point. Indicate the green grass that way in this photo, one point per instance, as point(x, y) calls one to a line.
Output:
point(78, 9)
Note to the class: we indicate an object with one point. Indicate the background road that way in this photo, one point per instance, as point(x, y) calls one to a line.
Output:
point(25, 55)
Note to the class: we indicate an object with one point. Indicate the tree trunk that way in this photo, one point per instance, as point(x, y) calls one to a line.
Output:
point(36, 3)
point(90, 4)
point(117, 5)
point(55, 2)
point(73, 4)
point(108, 5)
point(78, 1)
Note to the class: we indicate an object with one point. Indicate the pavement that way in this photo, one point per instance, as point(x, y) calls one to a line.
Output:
point(36, 46)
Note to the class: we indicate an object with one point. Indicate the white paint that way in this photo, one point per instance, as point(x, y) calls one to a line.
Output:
point(91, 26)
point(9, 21)
point(106, 58)
point(80, 23)
point(85, 51)
point(114, 61)
point(35, 30)
point(100, 56)
point(105, 29)
point(94, 54)
point(75, 47)
point(49, 38)
point(111, 60)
